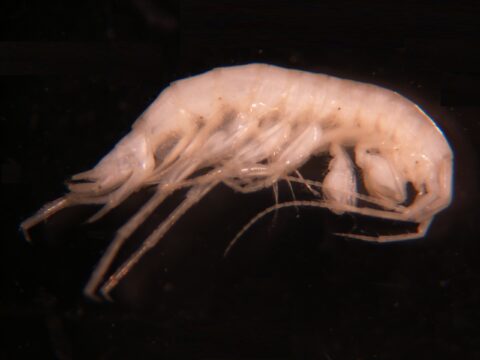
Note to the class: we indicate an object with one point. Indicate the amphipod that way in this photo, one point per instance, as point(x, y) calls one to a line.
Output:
point(252, 126)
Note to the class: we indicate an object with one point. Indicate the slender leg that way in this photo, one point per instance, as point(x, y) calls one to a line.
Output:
point(192, 197)
point(55, 206)
point(383, 214)
point(423, 227)
point(132, 224)
point(119, 195)
point(309, 187)
point(291, 189)
point(257, 171)
point(406, 215)
point(369, 199)
point(246, 189)
point(421, 231)
point(275, 192)
point(122, 235)
point(293, 195)
point(44, 213)
point(94, 187)
point(275, 196)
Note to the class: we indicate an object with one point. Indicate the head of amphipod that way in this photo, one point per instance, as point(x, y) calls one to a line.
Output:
point(131, 154)
point(128, 162)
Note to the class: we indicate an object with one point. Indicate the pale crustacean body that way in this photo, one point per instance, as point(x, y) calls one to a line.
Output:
point(252, 126)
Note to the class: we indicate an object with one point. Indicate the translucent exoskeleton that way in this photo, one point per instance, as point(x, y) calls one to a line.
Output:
point(252, 126)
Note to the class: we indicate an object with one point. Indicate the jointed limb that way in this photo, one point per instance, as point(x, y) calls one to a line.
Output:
point(422, 228)
point(421, 231)
point(192, 197)
point(55, 206)
point(369, 199)
point(44, 213)
point(122, 235)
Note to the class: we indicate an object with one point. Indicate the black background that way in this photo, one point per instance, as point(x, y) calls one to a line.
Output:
point(75, 77)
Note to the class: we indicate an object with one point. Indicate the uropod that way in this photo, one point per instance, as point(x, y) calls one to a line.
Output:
point(252, 126)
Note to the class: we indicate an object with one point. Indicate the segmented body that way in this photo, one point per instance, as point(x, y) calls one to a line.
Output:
point(252, 126)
